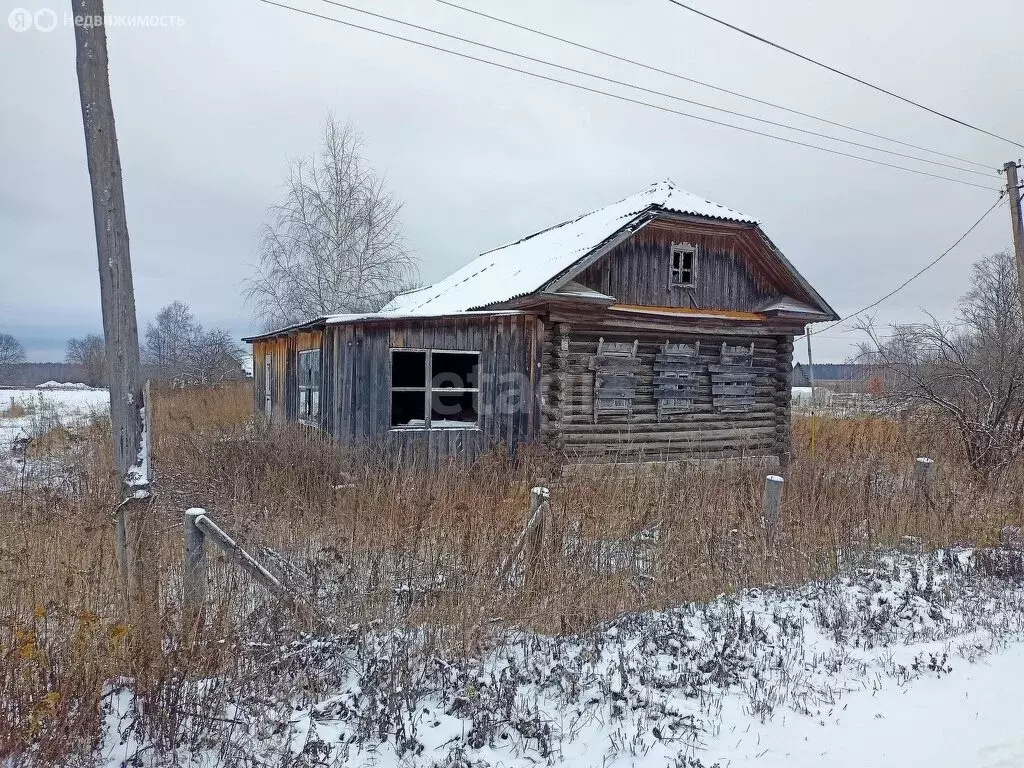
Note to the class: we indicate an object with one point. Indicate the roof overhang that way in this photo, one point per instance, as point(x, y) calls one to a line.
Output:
point(368, 318)
point(308, 325)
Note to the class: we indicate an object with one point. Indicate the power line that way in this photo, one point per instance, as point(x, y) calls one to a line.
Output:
point(720, 89)
point(651, 91)
point(625, 99)
point(839, 72)
point(913, 277)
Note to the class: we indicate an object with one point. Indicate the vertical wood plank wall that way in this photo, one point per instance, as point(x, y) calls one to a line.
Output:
point(637, 271)
point(568, 425)
point(357, 384)
point(283, 352)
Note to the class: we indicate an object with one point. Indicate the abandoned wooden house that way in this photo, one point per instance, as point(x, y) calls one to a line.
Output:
point(660, 326)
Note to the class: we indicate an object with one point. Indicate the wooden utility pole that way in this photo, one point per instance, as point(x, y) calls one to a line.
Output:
point(1016, 224)
point(120, 328)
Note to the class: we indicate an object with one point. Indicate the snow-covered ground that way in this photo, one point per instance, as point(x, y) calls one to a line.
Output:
point(970, 718)
point(40, 410)
point(905, 660)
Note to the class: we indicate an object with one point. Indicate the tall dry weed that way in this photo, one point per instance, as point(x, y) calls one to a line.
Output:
point(368, 543)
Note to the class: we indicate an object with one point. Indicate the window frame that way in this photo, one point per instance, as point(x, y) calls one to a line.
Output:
point(675, 274)
point(316, 386)
point(428, 389)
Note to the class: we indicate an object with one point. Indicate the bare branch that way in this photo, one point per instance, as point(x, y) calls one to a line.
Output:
point(334, 243)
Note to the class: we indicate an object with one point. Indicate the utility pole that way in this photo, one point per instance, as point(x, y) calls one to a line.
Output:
point(1013, 190)
point(120, 327)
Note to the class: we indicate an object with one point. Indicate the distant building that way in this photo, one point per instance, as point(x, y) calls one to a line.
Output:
point(839, 377)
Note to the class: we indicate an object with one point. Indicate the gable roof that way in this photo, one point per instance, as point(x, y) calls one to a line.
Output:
point(527, 265)
point(549, 259)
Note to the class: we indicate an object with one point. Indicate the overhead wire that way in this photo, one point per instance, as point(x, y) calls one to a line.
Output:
point(841, 73)
point(913, 277)
point(469, 41)
point(621, 97)
point(705, 84)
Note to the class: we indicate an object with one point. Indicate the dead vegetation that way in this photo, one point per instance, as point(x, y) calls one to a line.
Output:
point(372, 546)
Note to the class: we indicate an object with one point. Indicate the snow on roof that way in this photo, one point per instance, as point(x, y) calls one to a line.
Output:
point(527, 265)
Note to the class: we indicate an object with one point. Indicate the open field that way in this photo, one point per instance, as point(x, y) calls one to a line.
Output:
point(402, 569)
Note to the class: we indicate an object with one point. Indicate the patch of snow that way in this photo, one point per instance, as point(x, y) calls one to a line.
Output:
point(46, 408)
point(903, 660)
point(65, 385)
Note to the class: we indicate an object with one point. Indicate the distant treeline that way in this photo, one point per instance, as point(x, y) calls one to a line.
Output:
point(34, 374)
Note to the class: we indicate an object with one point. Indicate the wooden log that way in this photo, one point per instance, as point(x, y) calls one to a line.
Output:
point(924, 473)
point(665, 437)
point(771, 503)
point(194, 578)
point(243, 558)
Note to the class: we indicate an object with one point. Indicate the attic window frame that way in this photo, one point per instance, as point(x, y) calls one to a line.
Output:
point(678, 271)
point(428, 389)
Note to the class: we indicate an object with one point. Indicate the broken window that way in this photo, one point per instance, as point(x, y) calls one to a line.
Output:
point(434, 389)
point(678, 376)
point(732, 380)
point(615, 366)
point(309, 386)
point(681, 270)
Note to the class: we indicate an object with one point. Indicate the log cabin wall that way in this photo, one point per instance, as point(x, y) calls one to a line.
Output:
point(356, 392)
point(704, 431)
point(637, 270)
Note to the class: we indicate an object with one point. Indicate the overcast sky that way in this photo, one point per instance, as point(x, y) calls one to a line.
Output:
point(209, 110)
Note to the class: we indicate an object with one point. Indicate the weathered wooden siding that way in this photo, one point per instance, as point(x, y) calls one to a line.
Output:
point(568, 385)
point(283, 352)
point(357, 389)
point(725, 276)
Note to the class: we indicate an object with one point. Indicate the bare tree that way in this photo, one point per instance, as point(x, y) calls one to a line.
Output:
point(970, 371)
point(168, 336)
point(90, 353)
point(334, 243)
point(213, 357)
point(11, 352)
point(186, 353)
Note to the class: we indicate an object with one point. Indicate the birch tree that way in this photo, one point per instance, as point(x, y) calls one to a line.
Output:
point(334, 243)
point(968, 372)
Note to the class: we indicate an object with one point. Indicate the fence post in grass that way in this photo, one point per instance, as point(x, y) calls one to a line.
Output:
point(194, 580)
point(533, 545)
point(771, 503)
point(924, 472)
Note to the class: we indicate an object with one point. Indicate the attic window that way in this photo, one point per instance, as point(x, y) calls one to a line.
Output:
point(434, 389)
point(681, 269)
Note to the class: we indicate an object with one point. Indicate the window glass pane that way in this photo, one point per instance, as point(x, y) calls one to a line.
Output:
point(455, 370)
point(309, 368)
point(408, 369)
point(453, 409)
point(408, 409)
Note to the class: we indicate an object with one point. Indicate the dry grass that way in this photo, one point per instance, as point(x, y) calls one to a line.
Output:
point(367, 542)
point(15, 410)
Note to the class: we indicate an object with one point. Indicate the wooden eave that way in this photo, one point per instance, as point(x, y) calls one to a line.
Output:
point(316, 323)
point(718, 314)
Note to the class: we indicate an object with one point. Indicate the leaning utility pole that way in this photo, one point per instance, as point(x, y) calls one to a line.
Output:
point(1016, 224)
point(120, 328)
